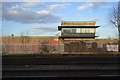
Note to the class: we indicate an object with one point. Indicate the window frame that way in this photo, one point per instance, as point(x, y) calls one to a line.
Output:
point(79, 30)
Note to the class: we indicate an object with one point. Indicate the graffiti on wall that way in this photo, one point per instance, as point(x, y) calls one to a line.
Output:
point(113, 48)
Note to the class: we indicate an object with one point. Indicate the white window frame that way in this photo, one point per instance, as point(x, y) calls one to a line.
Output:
point(81, 30)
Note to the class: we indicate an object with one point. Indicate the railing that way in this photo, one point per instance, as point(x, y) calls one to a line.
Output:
point(76, 34)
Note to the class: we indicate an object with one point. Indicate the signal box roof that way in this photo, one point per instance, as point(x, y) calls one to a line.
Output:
point(77, 24)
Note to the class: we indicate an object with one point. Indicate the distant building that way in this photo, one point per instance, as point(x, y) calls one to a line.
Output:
point(77, 30)
point(80, 37)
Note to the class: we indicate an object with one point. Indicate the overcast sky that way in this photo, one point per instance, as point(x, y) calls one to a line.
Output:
point(43, 18)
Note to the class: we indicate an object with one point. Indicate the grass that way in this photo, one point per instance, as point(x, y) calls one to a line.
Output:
point(66, 53)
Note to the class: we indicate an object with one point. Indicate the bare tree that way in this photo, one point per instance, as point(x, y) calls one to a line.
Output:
point(22, 37)
point(25, 40)
point(25, 37)
point(115, 19)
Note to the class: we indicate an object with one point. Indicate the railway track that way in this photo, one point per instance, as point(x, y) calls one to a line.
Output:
point(61, 60)
point(80, 72)
point(60, 66)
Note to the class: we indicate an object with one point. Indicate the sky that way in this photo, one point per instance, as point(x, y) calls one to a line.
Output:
point(43, 18)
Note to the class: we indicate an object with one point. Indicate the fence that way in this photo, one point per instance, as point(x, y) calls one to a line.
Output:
point(58, 48)
point(33, 48)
